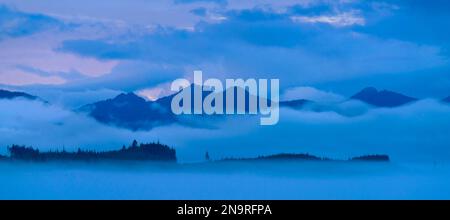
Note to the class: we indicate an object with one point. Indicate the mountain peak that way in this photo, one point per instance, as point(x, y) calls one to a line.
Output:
point(296, 103)
point(5, 94)
point(128, 110)
point(384, 98)
point(128, 97)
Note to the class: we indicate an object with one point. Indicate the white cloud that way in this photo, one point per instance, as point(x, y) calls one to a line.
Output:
point(399, 132)
point(338, 20)
point(150, 94)
point(312, 94)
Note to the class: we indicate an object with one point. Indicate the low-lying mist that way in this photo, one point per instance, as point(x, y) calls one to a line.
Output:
point(230, 180)
point(416, 132)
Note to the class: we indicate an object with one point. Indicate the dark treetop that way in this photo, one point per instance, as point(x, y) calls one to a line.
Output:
point(136, 152)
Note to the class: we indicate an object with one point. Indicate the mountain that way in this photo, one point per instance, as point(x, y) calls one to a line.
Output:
point(166, 101)
point(133, 112)
point(129, 111)
point(5, 94)
point(296, 104)
point(382, 98)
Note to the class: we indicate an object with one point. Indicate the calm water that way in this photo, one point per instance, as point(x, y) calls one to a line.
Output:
point(233, 180)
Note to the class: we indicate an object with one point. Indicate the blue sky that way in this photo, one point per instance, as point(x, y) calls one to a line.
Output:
point(339, 46)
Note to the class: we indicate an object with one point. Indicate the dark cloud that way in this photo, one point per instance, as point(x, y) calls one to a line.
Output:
point(417, 21)
point(261, 43)
point(199, 11)
point(14, 23)
point(266, 43)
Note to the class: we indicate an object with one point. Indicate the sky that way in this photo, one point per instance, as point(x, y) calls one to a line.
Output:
point(72, 53)
point(56, 49)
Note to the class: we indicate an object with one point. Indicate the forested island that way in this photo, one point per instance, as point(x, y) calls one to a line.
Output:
point(154, 152)
point(309, 157)
point(134, 152)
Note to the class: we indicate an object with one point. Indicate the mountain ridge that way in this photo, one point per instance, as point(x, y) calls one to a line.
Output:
point(128, 110)
point(131, 111)
point(6, 94)
point(382, 98)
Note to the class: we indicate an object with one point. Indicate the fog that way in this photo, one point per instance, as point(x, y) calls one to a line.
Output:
point(297, 180)
point(417, 132)
point(415, 137)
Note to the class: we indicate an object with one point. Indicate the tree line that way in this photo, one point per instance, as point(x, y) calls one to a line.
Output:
point(136, 152)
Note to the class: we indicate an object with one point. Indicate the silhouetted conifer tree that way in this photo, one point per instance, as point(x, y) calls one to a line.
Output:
point(207, 158)
point(134, 144)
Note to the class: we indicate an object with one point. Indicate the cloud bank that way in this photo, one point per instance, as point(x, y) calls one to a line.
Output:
point(417, 132)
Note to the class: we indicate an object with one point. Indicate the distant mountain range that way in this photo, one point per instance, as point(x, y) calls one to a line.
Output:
point(296, 104)
point(369, 95)
point(133, 112)
point(382, 98)
point(5, 94)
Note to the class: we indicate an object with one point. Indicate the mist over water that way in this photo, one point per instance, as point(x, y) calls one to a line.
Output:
point(231, 180)
point(414, 136)
point(416, 132)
